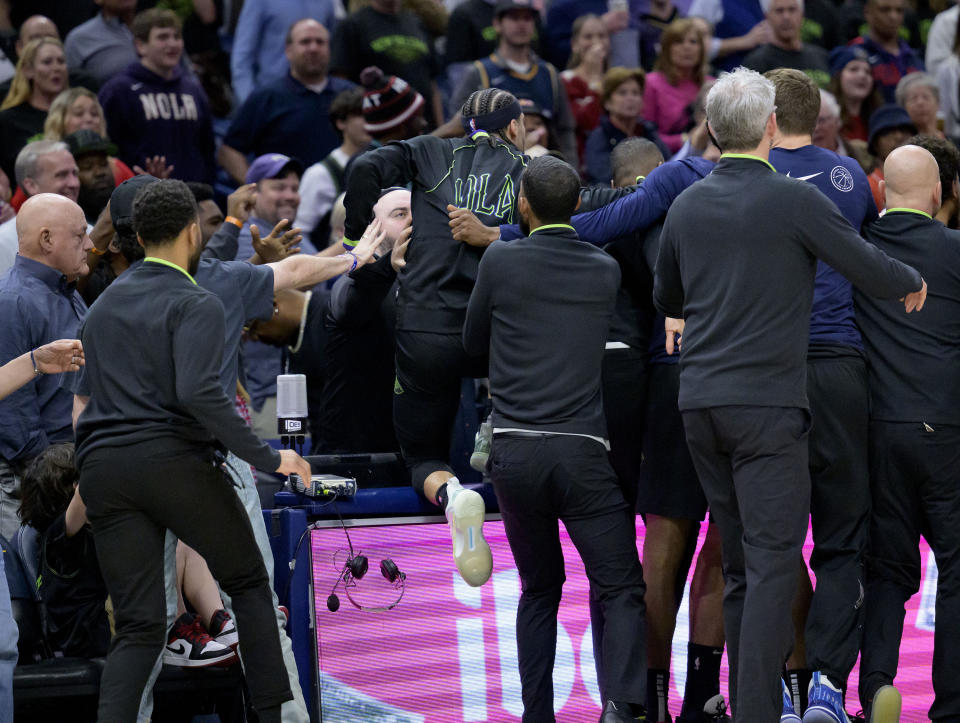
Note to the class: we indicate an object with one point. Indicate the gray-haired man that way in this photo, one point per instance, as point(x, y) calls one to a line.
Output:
point(737, 263)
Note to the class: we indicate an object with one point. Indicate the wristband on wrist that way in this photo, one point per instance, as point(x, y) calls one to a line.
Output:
point(98, 252)
point(234, 220)
point(348, 244)
point(36, 369)
point(350, 254)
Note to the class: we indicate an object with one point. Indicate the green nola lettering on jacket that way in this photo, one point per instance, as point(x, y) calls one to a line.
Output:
point(476, 197)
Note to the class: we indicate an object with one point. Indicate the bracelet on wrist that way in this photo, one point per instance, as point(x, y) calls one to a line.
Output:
point(36, 369)
point(350, 255)
point(234, 220)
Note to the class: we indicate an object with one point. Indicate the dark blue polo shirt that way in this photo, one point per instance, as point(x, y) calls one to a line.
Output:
point(287, 117)
point(37, 306)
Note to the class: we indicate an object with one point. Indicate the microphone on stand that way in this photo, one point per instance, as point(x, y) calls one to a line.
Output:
point(292, 410)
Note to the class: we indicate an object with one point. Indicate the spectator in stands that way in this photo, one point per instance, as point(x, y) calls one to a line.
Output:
point(259, 55)
point(948, 78)
point(92, 153)
point(826, 134)
point(890, 128)
point(919, 94)
point(855, 90)
point(42, 167)
point(670, 90)
point(211, 217)
point(942, 39)
point(583, 78)
point(537, 127)
point(948, 161)
point(821, 24)
point(41, 75)
point(889, 55)
point(656, 18)
point(558, 30)
point(103, 46)
point(289, 115)
point(623, 102)
point(38, 304)
point(738, 28)
point(516, 68)
point(40, 26)
point(324, 181)
point(786, 48)
point(393, 39)
point(152, 108)
point(392, 111)
point(64, 355)
point(471, 35)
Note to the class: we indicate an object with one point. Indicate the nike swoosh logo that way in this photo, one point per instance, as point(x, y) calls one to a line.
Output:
point(178, 651)
point(136, 86)
point(805, 178)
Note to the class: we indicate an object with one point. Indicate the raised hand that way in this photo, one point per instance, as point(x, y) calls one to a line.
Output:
point(280, 243)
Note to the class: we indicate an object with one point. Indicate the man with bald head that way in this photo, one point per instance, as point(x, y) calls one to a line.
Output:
point(914, 437)
point(38, 303)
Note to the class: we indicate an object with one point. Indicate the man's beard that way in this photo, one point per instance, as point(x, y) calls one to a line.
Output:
point(194, 262)
point(524, 226)
point(92, 200)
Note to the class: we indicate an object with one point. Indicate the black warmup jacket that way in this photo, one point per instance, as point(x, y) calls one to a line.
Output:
point(914, 359)
point(481, 173)
point(737, 262)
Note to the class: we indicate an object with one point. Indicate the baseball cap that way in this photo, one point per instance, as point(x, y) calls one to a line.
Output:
point(387, 101)
point(121, 201)
point(271, 165)
point(885, 118)
point(505, 6)
point(88, 141)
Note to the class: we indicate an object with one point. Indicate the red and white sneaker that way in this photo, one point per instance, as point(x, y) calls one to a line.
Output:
point(190, 646)
point(223, 629)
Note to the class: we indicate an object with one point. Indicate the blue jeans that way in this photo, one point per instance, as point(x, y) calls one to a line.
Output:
point(8, 649)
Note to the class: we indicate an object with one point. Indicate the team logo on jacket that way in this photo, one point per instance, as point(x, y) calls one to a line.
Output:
point(841, 179)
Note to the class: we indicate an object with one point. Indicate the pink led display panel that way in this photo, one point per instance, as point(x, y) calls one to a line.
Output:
point(447, 652)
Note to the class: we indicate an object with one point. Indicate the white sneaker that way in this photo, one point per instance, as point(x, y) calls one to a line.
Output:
point(465, 511)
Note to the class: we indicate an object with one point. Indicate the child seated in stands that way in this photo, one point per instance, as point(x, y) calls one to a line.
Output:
point(72, 588)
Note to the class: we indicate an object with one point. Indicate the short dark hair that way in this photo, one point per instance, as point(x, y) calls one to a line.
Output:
point(552, 188)
point(347, 103)
point(797, 99)
point(947, 157)
point(634, 157)
point(201, 191)
point(162, 210)
point(146, 21)
point(46, 487)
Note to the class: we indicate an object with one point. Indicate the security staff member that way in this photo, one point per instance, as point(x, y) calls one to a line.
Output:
point(146, 446)
point(482, 173)
point(737, 263)
point(549, 459)
point(914, 439)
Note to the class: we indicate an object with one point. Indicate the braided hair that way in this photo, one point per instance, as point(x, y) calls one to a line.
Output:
point(486, 101)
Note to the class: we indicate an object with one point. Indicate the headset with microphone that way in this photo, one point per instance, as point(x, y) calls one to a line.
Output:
point(354, 569)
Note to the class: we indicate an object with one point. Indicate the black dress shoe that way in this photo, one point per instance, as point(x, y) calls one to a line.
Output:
point(614, 712)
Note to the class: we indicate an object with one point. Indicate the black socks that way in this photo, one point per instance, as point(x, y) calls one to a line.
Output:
point(441, 497)
point(703, 679)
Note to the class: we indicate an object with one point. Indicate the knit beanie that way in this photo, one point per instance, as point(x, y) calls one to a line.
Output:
point(387, 101)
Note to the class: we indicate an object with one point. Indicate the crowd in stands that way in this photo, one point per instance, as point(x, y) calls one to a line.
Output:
point(265, 106)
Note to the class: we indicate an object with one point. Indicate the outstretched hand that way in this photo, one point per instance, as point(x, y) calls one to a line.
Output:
point(155, 166)
point(915, 301)
point(674, 329)
point(371, 240)
point(63, 355)
point(280, 243)
point(466, 227)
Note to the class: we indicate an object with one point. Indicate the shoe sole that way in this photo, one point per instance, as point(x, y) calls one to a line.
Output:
point(886, 705)
point(470, 550)
point(180, 662)
point(821, 714)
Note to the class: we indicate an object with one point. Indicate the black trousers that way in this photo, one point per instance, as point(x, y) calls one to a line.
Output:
point(752, 463)
point(426, 397)
point(916, 490)
point(133, 495)
point(839, 509)
point(542, 479)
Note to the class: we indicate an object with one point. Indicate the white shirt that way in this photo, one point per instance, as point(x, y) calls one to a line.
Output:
point(940, 40)
point(317, 195)
point(8, 244)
